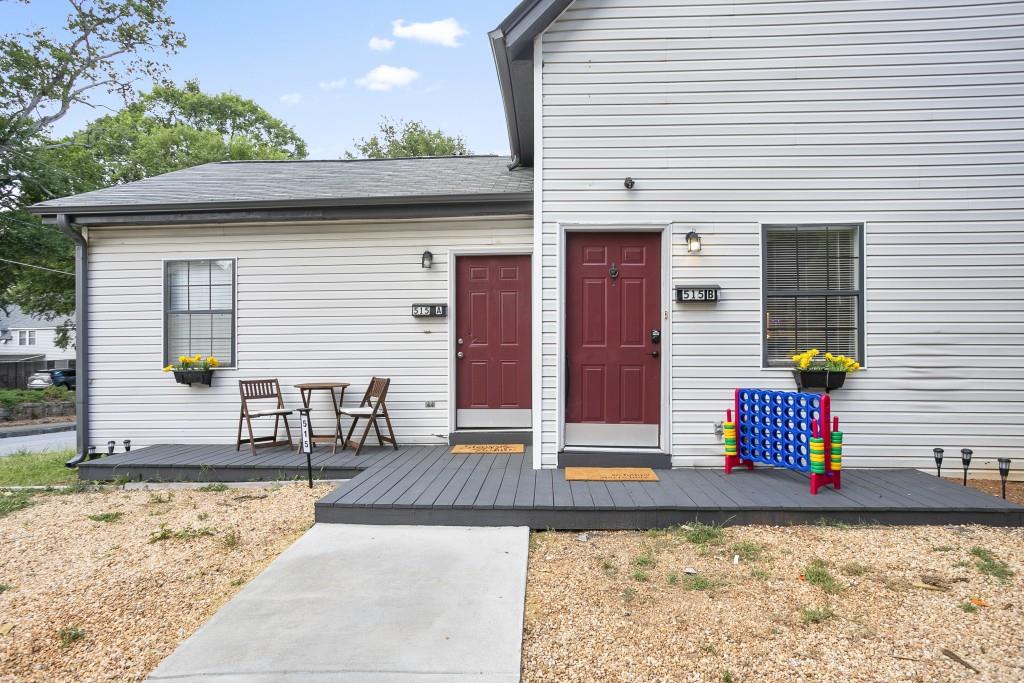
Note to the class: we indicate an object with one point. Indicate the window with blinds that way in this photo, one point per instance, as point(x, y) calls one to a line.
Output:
point(199, 310)
point(813, 296)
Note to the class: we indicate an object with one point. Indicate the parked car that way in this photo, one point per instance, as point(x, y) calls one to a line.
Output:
point(52, 378)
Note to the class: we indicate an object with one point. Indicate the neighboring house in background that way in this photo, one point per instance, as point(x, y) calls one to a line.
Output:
point(26, 336)
point(851, 169)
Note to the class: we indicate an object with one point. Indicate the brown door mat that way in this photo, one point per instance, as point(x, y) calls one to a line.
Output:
point(610, 474)
point(489, 449)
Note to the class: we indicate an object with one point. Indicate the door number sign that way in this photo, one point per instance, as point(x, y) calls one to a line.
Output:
point(430, 310)
point(698, 293)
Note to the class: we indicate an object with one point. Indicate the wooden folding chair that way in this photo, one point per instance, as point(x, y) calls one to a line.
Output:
point(372, 408)
point(259, 390)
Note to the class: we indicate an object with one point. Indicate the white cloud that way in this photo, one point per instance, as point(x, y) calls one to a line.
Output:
point(386, 77)
point(334, 85)
point(291, 99)
point(381, 44)
point(444, 32)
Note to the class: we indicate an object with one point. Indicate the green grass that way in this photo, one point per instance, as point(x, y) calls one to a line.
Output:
point(727, 676)
point(969, 607)
point(186, 534)
point(70, 634)
point(644, 560)
point(107, 516)
point(640, 575)
point(817, 574)
point(12, 397)
point(747, 550)
point(215, 487)
point(987, 563)
point(629, 594)
point(672, 578)
point(45, 468)
point(12, 501)
point(231, 539)
point(810, 615)
point(4, 588)
point(703, 534)
point(697, 582)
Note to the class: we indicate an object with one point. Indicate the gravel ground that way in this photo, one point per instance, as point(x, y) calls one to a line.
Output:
point(104, 601)
point(619, 606)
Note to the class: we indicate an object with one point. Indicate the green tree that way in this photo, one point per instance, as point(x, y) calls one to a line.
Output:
point(397, 138)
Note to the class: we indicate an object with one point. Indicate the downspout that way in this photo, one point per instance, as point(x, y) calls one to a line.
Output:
point(81, 335)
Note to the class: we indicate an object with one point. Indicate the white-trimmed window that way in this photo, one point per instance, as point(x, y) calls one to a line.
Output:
point(812, 283)
point(26, 337)
point(199, 309)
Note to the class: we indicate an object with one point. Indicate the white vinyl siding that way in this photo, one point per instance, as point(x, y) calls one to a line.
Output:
point(314, 302)
point(906, 117)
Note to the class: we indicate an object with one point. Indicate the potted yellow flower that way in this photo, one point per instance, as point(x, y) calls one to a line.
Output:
point(814, 371)
point(193, 369)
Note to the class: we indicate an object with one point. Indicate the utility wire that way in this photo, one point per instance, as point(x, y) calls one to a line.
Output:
point(29, 265)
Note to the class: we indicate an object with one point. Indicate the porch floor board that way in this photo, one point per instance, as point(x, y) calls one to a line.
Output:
point(428, 485)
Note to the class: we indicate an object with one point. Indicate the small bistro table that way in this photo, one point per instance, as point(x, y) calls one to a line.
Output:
point(306, 390)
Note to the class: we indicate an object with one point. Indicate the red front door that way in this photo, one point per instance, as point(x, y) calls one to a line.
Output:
point(492, 344)
point(613, 331)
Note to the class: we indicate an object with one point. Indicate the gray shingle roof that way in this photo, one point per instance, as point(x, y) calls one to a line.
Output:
point(230, 184)
point(18, 319)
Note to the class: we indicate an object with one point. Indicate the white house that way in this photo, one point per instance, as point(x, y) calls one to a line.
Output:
point(851, 169)
point(26, 336)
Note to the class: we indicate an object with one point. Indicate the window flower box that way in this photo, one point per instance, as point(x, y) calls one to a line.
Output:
point(193, 369)
point(819, 379)
point(826, 372)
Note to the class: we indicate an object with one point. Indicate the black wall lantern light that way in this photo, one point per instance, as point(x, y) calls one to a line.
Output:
point(1004, 472)
point(693, 242)
point(427, 260)
point(937, 452)
point(965, 458)
point(629, 183)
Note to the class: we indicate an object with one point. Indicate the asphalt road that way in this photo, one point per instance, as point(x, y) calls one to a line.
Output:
point(37, 442)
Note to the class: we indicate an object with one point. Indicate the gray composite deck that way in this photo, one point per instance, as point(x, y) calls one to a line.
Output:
point(428, 485)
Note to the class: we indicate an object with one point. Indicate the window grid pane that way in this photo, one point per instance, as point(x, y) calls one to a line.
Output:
point(812, 290)
point(199, 311)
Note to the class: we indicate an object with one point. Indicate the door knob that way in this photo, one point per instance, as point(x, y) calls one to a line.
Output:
point(654, 354)
point(460, 354)
point(459, 341)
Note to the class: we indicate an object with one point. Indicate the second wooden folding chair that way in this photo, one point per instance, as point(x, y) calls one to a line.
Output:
point(261, 390)
point(372, 408)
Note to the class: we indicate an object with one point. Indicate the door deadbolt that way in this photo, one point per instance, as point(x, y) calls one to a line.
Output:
point(459, 341)
point(460, 354)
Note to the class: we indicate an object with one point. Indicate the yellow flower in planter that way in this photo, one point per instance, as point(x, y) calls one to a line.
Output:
point(212, 362)
point(168, 368)
point(183, 359)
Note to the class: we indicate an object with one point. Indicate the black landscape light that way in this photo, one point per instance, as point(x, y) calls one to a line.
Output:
point(965, 458)
point(427, 260)
point(1004, 472)
point(92, 452)
point(127, 445)
point(938, 460)
point(110, 447)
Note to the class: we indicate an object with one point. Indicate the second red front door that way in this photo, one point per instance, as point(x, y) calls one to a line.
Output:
point(493, 342)
point(613, 334)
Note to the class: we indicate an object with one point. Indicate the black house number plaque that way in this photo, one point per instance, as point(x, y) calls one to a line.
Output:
point(698, 293)
point(430, 310)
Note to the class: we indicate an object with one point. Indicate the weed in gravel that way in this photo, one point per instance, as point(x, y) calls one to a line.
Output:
point(203, 516)
point(698, 583)
point(810, 615)
point(760, 574)
point(817, 574)
point(988, 564)
point(640, 575)
point(12, 501)
point(186, 534)
point(942, 548)
point(968, 607)
point(231, 539)
point(644, 560)
point(672, 578)
point(629, 594)
point(708, 649)
point(238, 582)
point(747, 550)
point(215, 487)
point(4, 588)
point(832, 523)
point(107, 516)
point(727, 676)
point(156, 498)
point(854, 569)
point(608, 567)
point(70, 634)
point(703, 534)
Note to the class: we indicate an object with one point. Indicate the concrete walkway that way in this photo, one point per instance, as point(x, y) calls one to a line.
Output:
point(373, 604)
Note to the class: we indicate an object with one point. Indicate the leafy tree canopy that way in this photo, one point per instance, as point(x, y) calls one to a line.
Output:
point(397, 138)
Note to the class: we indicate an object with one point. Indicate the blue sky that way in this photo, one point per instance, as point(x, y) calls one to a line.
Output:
point(310, 63)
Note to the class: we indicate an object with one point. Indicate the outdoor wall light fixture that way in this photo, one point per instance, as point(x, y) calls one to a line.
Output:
point(965, 458)
point(127, 445)
point(110, 447)
point(693, 242)
point(1004, 472)
point(938, 461)
point(427, 260)
point(629, 183)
